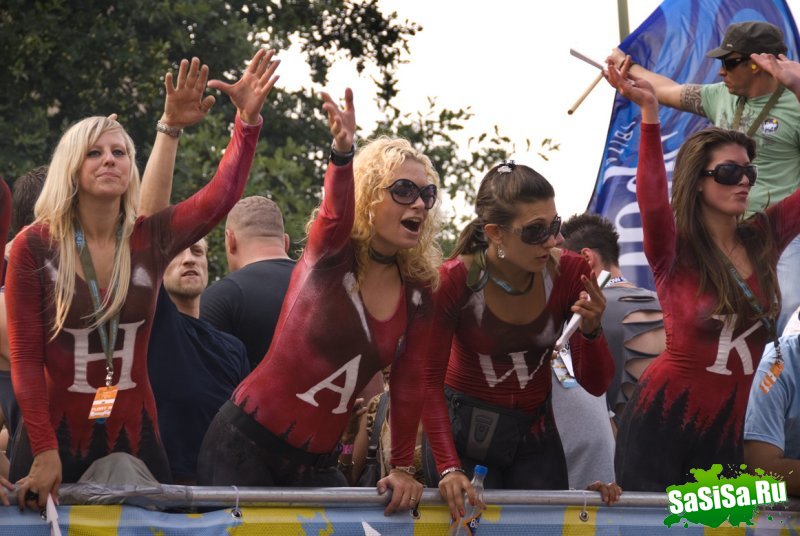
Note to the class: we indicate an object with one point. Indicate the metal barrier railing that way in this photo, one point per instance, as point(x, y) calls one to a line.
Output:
point(170, 496)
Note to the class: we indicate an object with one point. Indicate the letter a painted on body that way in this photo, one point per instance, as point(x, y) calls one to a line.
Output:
point(350, 370)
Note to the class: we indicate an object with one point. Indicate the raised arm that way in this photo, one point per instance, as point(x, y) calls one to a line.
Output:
point(670, 93)
point(195, 217)
point(784, 70)
point(334, 223)
point(184, 106)
point(658, 222)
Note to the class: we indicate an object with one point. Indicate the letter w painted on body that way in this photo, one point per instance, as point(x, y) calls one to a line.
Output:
point(83, 358)
point(727, 344)
point(520, 367)
point(350, 370)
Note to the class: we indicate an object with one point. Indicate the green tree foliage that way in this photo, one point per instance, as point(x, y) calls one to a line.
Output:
point(64, 60)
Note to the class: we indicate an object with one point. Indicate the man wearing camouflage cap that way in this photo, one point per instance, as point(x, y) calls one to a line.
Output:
point(749, 100)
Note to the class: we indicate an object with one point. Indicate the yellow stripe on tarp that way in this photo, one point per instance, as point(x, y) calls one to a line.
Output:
point(94, 520)
point(434, 520)
point(573, 526)
point(725, 530)
point(279, 521)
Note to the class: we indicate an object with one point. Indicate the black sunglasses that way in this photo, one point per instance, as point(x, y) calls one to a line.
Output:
point(731, 174)
point(731, 63)
point(405, 192)
point(536, 234)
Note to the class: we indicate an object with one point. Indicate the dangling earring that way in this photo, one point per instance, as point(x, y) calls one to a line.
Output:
point(501, 252)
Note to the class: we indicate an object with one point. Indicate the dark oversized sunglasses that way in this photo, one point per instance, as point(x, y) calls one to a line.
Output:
point(405, 192)
point(536, 234)
point(731, 63)
point(731, 174)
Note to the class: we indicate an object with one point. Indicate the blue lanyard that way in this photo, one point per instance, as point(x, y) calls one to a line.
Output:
point(108, 338)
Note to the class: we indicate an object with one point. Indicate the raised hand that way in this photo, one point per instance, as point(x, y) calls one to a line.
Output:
point(342, 122)
point(637, 90)
point(185, 104)
point(617, 56)
point(590, 305)
point(250, 91)
point(784, 70)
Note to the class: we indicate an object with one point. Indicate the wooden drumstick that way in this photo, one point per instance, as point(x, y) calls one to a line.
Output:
point(585, 94)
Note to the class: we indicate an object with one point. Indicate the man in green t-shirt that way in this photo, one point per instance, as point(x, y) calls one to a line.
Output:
point(749, 100)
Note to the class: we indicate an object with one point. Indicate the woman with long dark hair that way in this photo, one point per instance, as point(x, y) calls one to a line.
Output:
point(716, 281)
point(505, 294)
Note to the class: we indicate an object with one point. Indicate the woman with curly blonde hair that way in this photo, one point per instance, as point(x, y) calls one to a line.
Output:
point(359, 300)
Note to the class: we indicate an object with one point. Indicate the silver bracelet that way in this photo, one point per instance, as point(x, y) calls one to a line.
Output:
point(168, 130)
point(454, 469)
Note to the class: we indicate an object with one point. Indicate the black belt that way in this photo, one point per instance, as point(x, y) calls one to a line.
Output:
point(269, 441)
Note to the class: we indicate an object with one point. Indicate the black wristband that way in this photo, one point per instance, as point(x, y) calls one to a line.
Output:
point(593, 335)
point(342, 159)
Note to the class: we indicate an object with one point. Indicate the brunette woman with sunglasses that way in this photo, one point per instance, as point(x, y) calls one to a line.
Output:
point(715, 275)
point(505, 294)
point(359, 299)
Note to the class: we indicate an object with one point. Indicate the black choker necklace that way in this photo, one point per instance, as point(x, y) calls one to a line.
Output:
point(381, 258)
point(508, 289)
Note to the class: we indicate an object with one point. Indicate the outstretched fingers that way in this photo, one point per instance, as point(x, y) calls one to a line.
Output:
point(330, 107)
point(341, 120)
point(268, 78)
point(255, 62)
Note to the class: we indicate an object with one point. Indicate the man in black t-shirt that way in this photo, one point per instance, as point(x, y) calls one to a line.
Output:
point(247, 302)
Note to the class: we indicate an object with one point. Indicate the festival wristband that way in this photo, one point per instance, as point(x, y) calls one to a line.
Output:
point(347, 449)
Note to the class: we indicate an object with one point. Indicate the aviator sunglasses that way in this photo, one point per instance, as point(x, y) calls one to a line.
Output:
point(537, 234)
point(731, 174)
point(405, 192)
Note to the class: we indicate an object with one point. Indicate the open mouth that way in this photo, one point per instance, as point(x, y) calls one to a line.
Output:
point(190, 272)
point(411, 225)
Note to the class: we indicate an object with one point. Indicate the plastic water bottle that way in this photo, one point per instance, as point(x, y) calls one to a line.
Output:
point(468, 525)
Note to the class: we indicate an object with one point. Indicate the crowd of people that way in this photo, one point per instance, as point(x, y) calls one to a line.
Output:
point(373, 361)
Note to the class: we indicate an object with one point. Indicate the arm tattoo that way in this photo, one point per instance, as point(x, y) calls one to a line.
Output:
point(691, 100)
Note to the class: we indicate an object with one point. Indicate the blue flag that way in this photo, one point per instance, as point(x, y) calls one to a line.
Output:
point(673, 42)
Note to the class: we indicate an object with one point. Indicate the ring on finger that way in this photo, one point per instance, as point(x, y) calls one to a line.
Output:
point(413, 499)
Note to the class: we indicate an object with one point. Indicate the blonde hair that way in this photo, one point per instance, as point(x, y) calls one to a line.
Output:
point(57, 208)
point(373, 170)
